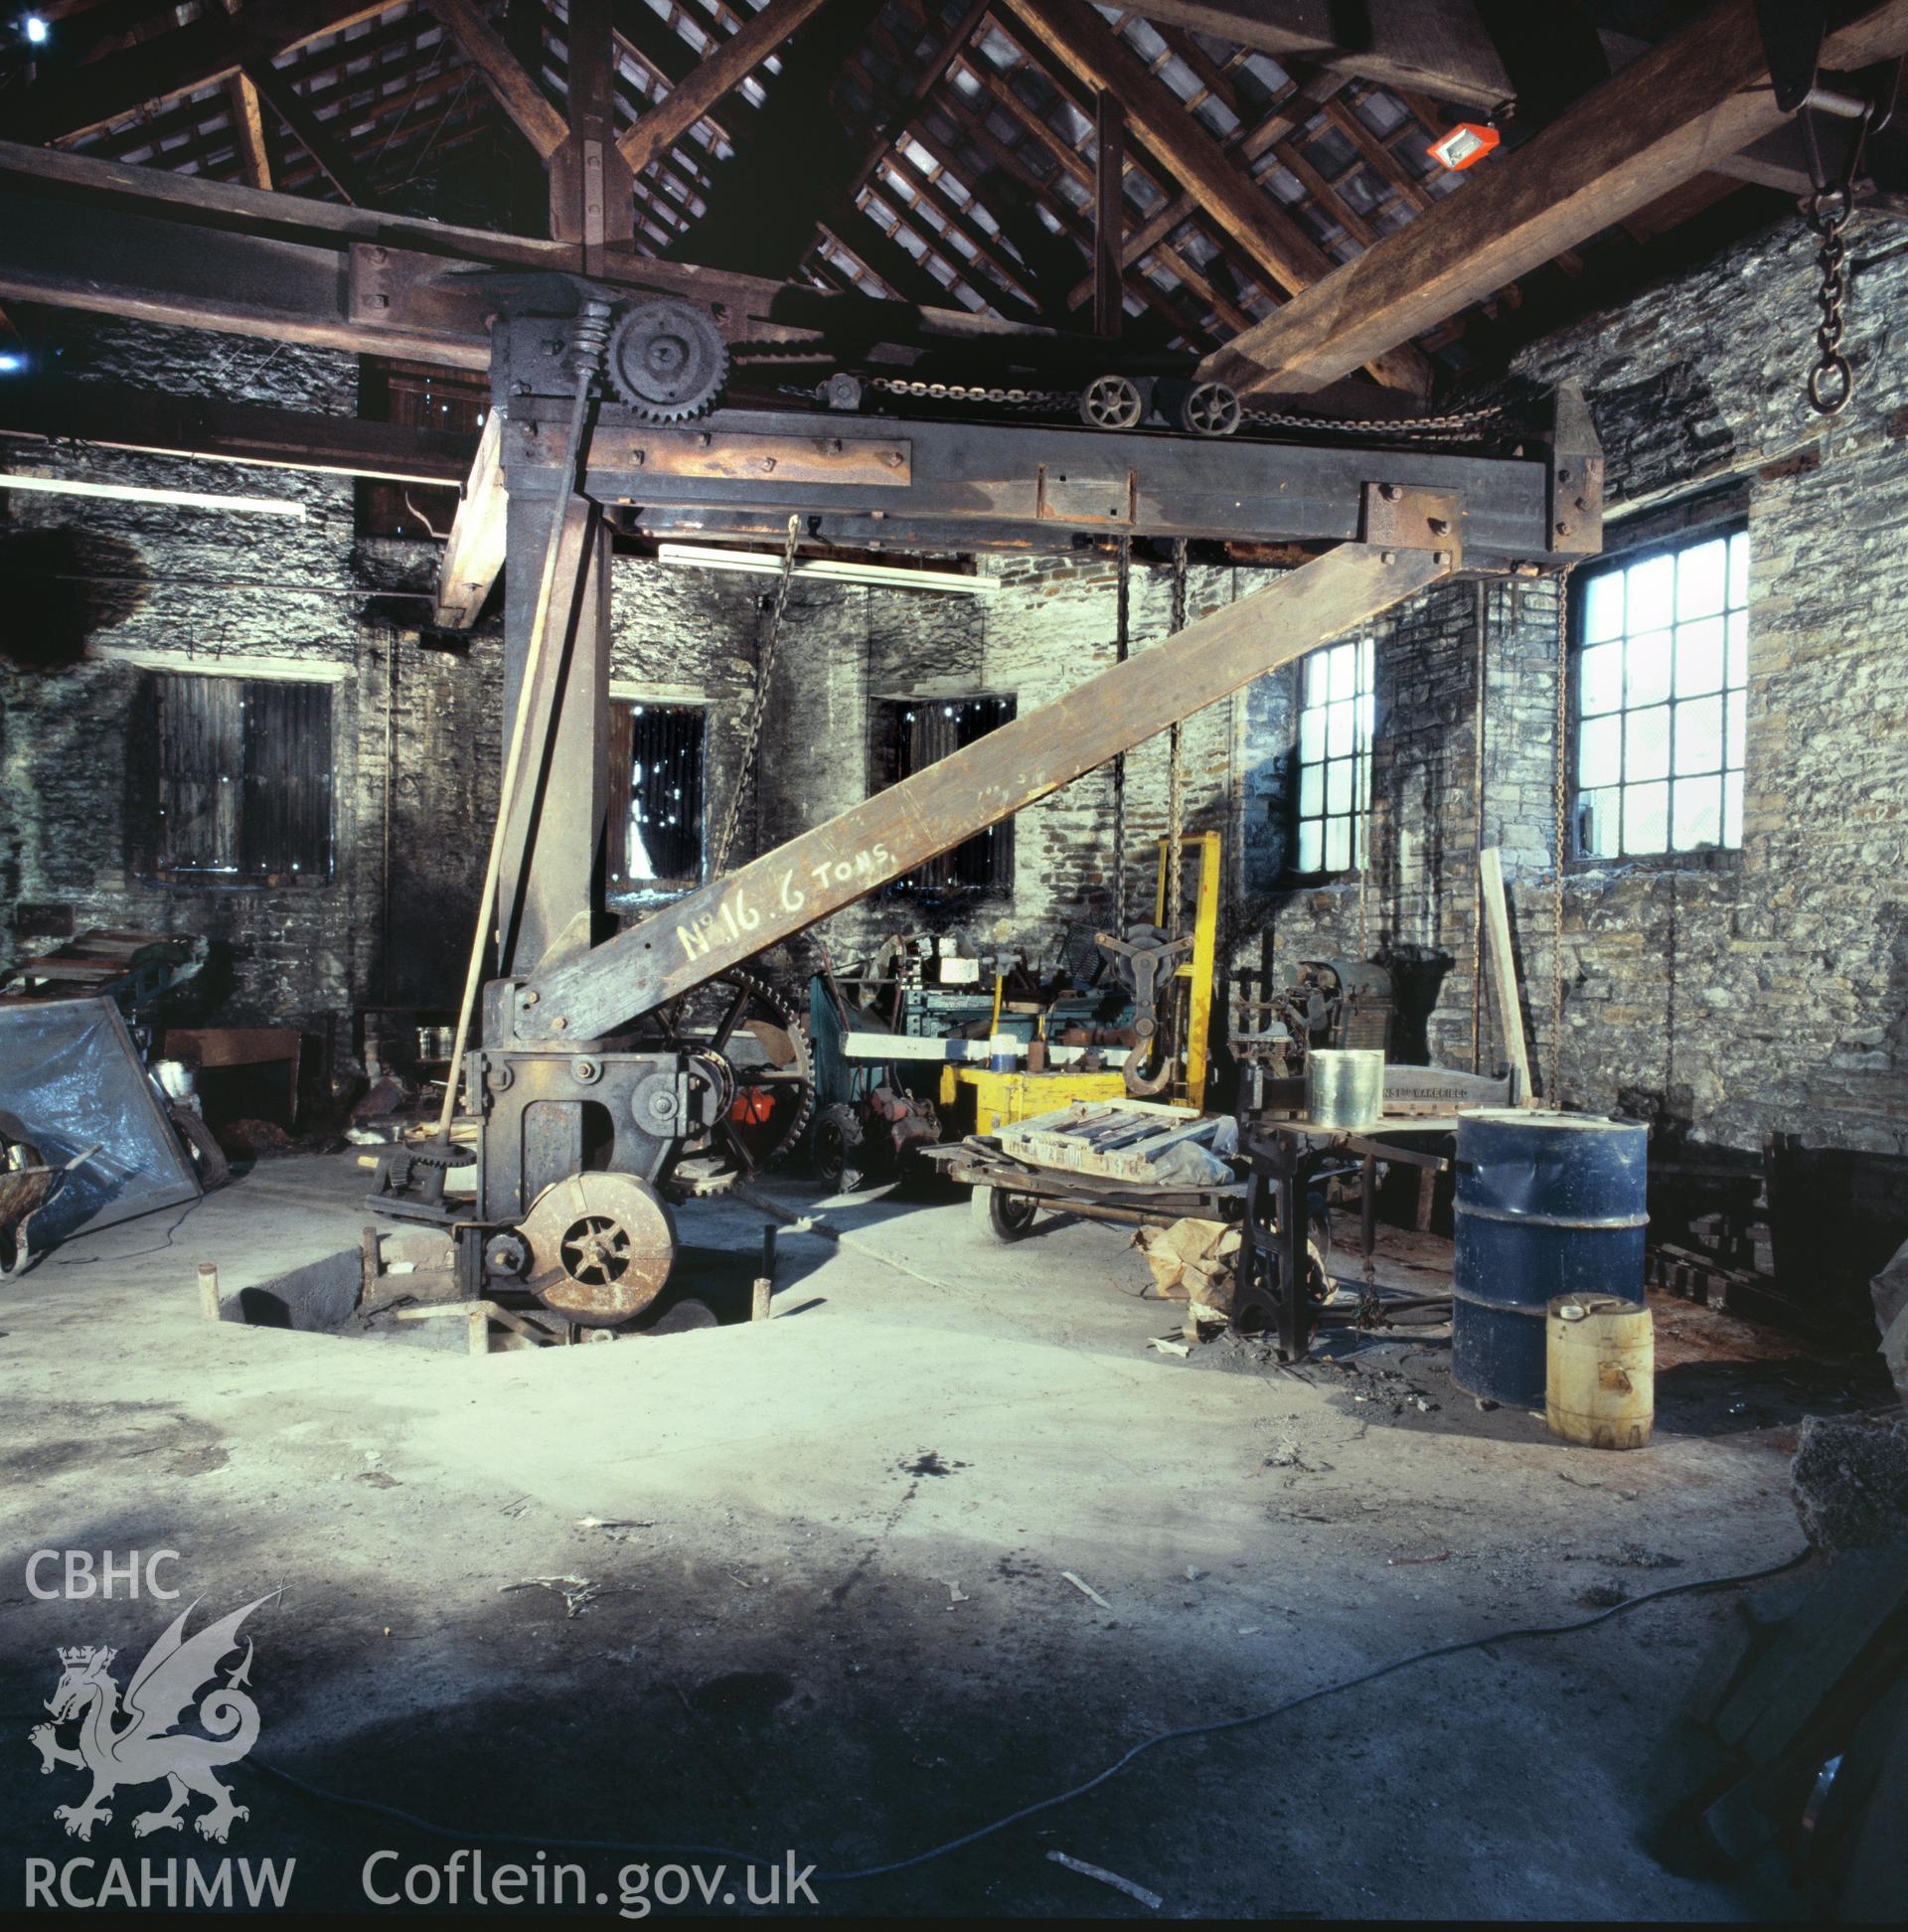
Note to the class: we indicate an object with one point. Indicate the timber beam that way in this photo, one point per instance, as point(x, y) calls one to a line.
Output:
point(1682, 110)
point(209, 429)
point(474, 556)
point(79, 232)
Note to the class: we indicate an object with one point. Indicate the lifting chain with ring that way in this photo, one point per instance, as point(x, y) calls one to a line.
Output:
point(1832, 381)
point(745, 767)
point(1176, 773)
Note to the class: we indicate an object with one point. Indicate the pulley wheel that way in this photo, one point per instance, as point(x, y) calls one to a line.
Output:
point(601, 1246)
point(668, 360)
point(1210, 410)
point(1111, 402)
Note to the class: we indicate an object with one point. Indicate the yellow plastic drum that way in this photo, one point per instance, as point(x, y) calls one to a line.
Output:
point(1600, 1370)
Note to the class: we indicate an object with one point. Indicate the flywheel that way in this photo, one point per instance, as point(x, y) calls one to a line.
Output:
point(601, 1246)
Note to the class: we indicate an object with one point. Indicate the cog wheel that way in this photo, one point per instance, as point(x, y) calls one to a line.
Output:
point(668, 360)
point(741, 1020)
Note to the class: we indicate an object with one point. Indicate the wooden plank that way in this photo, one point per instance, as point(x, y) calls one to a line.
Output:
point(1080, 41)
point(1109, 213)
point(78, 100)
point(516, 92)
point(1444, 50)
point(474, 555)
point(717, 74)
point(248, 129)
point(1682, 110)
point(1503, 971)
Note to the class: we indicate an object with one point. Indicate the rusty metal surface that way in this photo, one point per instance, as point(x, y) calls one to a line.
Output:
point(714, 929)
point(601, 1246)
point(1398, 515)
point(880, 462)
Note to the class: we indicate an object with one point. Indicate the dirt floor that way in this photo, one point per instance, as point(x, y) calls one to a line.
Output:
point(942, 1539)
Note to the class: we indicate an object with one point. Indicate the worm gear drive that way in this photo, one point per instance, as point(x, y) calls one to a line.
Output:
point(668, 360)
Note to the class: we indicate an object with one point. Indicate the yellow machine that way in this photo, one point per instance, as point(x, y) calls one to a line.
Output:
point(1002, 1099)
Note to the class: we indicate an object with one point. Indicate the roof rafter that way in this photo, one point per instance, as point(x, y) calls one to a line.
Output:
point(1676, 113)
point(515, 89)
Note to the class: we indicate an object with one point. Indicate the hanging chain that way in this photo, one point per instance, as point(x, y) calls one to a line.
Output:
point(746, 769)
point(1174, 772)
point(1553, 1094)
point(1832, 381)
point(1124, 607)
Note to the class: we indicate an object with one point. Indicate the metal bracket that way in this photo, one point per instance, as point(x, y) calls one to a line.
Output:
point(1064, 497)
point(1396, 517)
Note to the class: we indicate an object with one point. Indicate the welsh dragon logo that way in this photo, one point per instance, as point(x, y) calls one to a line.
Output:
point(139, 1741)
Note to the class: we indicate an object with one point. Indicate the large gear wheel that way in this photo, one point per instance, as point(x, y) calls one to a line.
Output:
point(743, 1021)
point(668, 360)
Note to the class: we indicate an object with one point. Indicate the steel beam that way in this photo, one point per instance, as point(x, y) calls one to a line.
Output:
point(788, 890)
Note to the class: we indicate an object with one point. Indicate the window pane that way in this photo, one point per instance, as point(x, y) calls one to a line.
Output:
point(1701, 572)
point(1738, 734)
point(1337, 844)
point(1310, 846)
point(1650, 595)
point(1646, 668)
point(1367, 655)
point(1732, 809)
point(1341, 729)
point(1367, 720)
point(1698, 813)
point(1317, 677)
point(1738, 570)
point(1344, 669)
point(1645, 747)
point(1311, 737)
point(1310, 790)
point(1600, 685)
point(1739, 648)
point(1603, 821)
point(1338, 784)
point(1600, 752)
point(1646, 818)
point(1699, 657)
point(1603, 608)
point(1698, 737)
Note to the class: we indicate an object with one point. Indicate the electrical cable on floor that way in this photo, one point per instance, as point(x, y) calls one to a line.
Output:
point(1039, 1804)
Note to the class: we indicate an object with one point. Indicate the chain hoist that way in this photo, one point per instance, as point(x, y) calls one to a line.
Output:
point(1123, 603)
point(745, 768)
point(1175, 771)
point(1553, 1094)
point(1832, 381)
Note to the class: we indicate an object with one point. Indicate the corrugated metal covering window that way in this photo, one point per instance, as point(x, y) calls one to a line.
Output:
point(656, 758)
point(244, 768)
point(911, 733)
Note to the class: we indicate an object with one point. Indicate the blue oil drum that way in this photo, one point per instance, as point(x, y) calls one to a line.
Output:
point(1547, 1204)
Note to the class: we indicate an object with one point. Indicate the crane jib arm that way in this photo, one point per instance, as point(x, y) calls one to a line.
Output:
point(712, 930)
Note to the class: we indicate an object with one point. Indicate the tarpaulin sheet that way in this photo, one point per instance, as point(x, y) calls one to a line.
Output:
point(71, 1076)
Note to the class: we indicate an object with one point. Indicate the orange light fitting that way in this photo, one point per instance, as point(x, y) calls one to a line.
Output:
point(1468, 141)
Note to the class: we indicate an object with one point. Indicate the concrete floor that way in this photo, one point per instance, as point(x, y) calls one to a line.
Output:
point(830, 1613)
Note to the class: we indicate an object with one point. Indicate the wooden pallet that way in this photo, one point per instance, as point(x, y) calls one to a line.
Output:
point(1120, 1138)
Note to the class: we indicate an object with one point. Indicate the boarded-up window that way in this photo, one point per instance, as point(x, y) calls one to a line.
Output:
point(655, 797)
point(421, 398)
point(911, 733)
point(244, 779)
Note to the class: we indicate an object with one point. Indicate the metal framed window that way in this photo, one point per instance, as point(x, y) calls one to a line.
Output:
point(656, 799)
point(911, 733)
point(1661, 684)
point(1337, 714)
point(243, 780)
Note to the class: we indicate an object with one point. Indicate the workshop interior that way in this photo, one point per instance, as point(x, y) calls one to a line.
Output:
point(924, 920)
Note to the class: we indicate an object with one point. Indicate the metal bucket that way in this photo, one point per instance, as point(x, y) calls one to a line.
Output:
point(1547, 1204)
point(1343, 1089)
